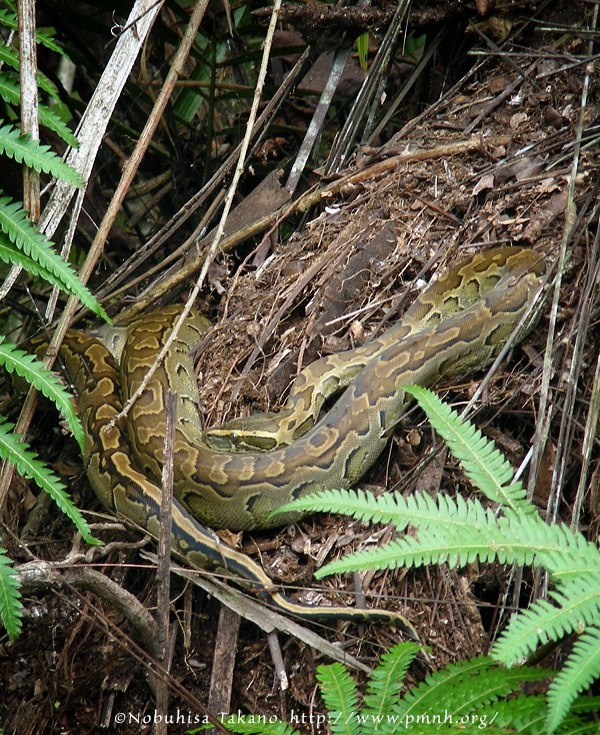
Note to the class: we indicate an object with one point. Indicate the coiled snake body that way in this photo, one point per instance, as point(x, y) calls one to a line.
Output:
point(460, 322)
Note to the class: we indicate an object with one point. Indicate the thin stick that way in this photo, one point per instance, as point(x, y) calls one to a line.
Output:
point(29, 101)
point(163, 569)
point(220, 229)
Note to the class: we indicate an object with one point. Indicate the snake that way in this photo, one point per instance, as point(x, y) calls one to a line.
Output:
point(235, 476)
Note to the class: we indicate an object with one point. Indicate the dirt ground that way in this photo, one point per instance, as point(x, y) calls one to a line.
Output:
point(493, 162)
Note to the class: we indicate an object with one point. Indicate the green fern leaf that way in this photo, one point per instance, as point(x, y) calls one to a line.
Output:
point(27, 367)
point(458, 531)
point(10, 597)
point(341, 698)
point(585, 705)
point(10, 57)
point(23, 235)
point(45, 36)
point(383, 688)
point(35, 155)
point(482, 462)
point(429, 693)
point(578, 673)
point(13, 449)
point(528, 713)
point(418, 510)
point(8, 15)
point(523, 713)
point(10, 91)
point(13, 256)
point(8, 18)
point(389, 508)
point(578, 606)
point(450, 531)
point(465, 685)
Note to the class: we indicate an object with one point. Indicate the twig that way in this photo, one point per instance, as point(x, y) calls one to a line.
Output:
point(193, 204)
point(29, 101)
point(407, 86)
point(545, 412)
point(37, 576)
point(223, 668)
point(219, 233)
point(588, 444)
point(313, 198)
point(275, 649)
point(45, 575)
point(163, 569)
point(265, 618)
point(316, 124)
point(29, 119)
point(341, 146)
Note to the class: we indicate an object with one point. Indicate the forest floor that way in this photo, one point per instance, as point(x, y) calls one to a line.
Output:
point(509, 156)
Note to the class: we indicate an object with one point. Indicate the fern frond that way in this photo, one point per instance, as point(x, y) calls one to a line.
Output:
point(450, 530)
point(10, 597)
point(389, 508)
point(9, 19)
point(459, 531)
point(10, 91)
point(578, 606)
point(10, 57)
point(340, 695)
point(385, 683)
point(585, 705)
point(466, 685)
point(23, 236)
point(582, 667)
point(11, 254)
point(524, 713)
point(13, 449)
point(36, 155)
point(528, 713)
point(33, 371)
point(418, 510)
point(481, 461)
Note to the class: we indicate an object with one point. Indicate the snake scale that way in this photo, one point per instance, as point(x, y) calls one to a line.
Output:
point(459, 322)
